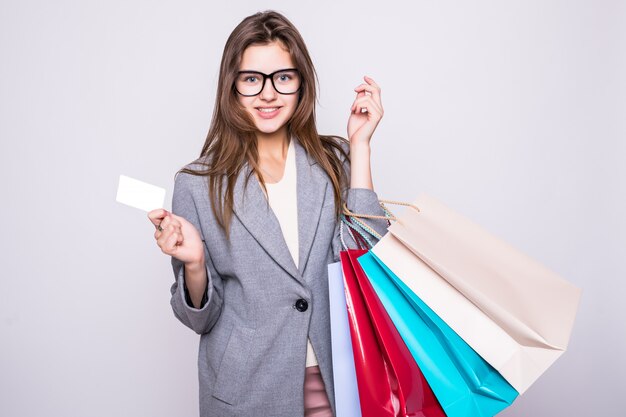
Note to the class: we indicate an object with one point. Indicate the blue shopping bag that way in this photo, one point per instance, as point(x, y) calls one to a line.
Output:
point(462, 381)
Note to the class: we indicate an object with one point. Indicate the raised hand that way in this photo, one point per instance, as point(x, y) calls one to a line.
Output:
point(365, 113)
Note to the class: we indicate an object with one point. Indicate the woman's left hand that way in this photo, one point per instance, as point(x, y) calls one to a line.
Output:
point(361, 124)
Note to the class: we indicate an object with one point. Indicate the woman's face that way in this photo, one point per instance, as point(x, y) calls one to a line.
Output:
point(270, 110)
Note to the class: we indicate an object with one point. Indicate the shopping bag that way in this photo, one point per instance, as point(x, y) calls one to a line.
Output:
point(377, 386)
point(464, 384)
point(390, 382)
point(513, 311)
point(344, 375)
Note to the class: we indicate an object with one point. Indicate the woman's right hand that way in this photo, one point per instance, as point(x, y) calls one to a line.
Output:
point(179, 238)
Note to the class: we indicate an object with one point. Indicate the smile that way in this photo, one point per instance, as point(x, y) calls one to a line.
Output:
point(268, 112)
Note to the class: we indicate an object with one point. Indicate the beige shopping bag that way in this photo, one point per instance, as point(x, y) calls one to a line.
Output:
point(513, 311)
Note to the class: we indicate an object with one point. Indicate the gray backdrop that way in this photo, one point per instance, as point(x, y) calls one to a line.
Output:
point(512, 113)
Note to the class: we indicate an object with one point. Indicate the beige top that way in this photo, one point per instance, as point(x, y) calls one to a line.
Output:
point(282, 198)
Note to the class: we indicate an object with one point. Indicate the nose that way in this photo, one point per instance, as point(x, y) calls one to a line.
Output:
point(268, 93)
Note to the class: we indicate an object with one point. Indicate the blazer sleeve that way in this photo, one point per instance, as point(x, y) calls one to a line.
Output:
point(359, 201)
point(202, 319)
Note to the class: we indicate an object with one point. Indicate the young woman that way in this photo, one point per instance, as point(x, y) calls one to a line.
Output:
point(255, 222)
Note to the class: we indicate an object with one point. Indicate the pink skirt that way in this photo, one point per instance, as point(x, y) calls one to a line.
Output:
point(315, 399)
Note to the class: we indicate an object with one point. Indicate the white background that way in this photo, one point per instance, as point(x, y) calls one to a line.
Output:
point(512, 113)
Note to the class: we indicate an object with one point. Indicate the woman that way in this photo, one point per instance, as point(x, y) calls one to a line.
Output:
point(255, 222)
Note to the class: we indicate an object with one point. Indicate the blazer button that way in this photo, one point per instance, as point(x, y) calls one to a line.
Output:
point(301, 305)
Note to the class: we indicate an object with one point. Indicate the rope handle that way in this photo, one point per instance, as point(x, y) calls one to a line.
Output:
point(362, 241)
point(388, 216)
point(356, 223)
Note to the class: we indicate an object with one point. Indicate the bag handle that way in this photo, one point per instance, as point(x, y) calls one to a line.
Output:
point(362, 241)
point(357, 218)
point(390, 216)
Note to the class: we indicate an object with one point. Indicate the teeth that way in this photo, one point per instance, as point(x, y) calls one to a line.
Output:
point(268, 110)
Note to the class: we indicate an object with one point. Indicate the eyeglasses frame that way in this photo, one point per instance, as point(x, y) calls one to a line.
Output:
point(271, 77)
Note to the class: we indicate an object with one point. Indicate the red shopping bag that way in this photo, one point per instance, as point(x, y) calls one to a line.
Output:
point(390, 382)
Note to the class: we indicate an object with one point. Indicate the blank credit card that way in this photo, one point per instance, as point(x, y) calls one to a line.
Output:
point(139, 194)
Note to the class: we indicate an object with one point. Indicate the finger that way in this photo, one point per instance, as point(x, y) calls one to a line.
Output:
point(171, 227)
point(359, 95)
point(369, 103)
point(369, 81)
point(170, 244)
point(164, 229)
point(165, 240)
point(161, 238)
point(369, 100)
point(170, 221)
point(177, 231)
point(360, 107)
point(366, 87)
point(374, 91)
point(157, 215)
point(377, 101)
point(164, 223)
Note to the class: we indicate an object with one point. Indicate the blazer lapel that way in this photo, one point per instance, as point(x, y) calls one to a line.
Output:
point(311, 188)
point(252, 209)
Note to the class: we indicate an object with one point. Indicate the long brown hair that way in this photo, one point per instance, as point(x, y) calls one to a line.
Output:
point(231, 141)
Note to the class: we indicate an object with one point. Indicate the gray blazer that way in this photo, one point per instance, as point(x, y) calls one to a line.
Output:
point(254, 326)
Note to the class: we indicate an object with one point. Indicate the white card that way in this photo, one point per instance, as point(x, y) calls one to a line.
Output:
point(139, 194)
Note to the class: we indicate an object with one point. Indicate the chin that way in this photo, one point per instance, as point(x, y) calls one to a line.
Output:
point(270, 126)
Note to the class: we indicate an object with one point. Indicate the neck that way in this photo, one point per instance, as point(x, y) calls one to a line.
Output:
point(274, 145)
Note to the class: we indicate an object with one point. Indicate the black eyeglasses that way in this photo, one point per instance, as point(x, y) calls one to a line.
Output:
point(284, 81)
